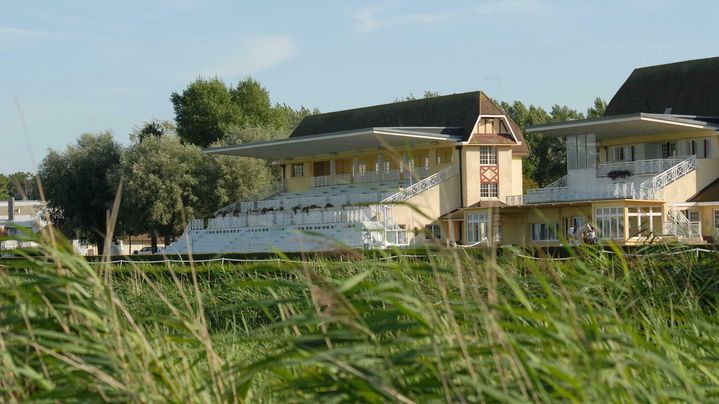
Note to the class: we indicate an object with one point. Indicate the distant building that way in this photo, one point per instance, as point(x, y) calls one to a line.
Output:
point(18, 215)
point(373, 177)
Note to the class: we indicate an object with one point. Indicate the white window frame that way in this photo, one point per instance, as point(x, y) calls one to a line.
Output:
point(489, 190)
point(477, 227)
point(610, 222)
point(487, 155)
point(434, 231)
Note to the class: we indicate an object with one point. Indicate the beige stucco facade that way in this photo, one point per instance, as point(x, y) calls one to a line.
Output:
point(619, 221)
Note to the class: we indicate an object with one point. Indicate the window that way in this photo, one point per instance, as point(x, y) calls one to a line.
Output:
point(610, 222)
point(693, 215)
point(488, 191)
point(477, 225)
point(487, 155)
point(434, 231)
point(298, 170)
point(702, 148)
point(669, 149)
point(544, 231)
point(581, 151)
point(622, 153)
point(644, 221)
point(492, 125)
point(716, 219)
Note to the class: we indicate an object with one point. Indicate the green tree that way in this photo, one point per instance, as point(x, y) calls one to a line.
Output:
point(289, 117)
point(4, 185)
point(77, 186)
point(153, 128)
point(253, 101)
point(204, 110)
point(547, 157)
point(597, 110)
point(23, 185)
point(411, 97)
point(228, 179)
point(161, 177)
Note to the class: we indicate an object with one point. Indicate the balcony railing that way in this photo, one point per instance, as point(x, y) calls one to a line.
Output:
point(417, 174)
point(343, 179)
point(671, 174)
point(564, 194)
point(367, 177)
point(638, 167)
point(321, 181)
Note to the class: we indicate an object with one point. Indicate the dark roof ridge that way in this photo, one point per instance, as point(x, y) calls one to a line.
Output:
point(677, 63)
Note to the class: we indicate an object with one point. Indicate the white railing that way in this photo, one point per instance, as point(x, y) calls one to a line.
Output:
point(321, 181)
point(419, 173)
point(421, 186)
point(343, 179)
point(671, 174)
point(560, 183)
point(648, 190)
point(614, 191)
point(391, 175)
point(515, 200)
point(638, 167)
point(679, 225)
point(367, 177)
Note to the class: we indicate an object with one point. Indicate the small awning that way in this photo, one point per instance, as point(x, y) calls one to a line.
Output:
point(610, 127)
point(338, 142)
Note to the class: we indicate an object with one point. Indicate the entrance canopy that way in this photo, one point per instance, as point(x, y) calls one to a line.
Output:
point(339, 142)
point(610, 127)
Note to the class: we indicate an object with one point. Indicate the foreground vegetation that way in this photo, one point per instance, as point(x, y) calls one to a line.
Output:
point(451, 327)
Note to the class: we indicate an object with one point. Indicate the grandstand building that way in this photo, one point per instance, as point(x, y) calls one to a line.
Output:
point(647, 170)
point(373, 177)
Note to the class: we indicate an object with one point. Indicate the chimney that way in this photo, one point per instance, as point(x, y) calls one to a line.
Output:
point(10, 209)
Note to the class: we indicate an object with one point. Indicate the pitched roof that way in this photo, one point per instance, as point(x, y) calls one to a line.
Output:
point(684, 88)
point(448, 114)
point(710, 193)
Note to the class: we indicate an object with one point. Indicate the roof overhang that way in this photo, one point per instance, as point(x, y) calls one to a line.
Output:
point(337, 142)
point(610, 127)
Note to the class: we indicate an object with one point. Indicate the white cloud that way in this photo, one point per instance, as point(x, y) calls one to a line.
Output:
point(369, 19)
point(12, 32)
point(256, 54)
point(11, 37)
point(493, 7)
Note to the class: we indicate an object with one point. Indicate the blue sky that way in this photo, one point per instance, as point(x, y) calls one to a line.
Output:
point(86, 66)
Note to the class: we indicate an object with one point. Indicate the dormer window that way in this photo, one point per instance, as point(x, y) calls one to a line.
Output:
point(494, 125)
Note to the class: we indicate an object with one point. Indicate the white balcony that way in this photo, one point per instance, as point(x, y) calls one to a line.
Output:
point(567, 194)
point(321, 181)
point(391, 175)
point(638, 167)
point(416, 174)
point(343, 179)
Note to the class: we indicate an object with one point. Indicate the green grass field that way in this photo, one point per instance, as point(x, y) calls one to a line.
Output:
point(450, 327)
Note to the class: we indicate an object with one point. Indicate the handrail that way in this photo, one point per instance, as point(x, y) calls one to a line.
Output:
point(421, 186)
point(560, 183)
point(670, 175)
point(638, 167)
point(682, 223)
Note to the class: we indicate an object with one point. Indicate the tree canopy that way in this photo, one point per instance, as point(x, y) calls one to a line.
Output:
point(208, 109)
point(204, 110)
point(161, 180)
point(4, 184)
point(547, 157)
point(78, 188)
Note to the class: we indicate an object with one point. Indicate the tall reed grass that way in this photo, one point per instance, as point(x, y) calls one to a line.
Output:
point(450, 327)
